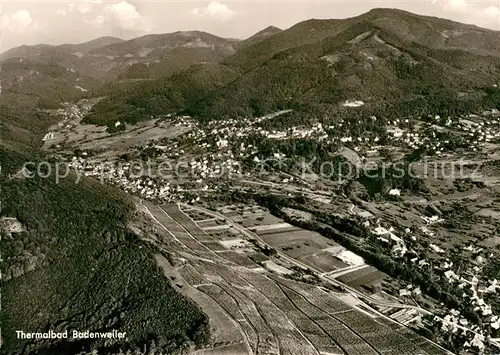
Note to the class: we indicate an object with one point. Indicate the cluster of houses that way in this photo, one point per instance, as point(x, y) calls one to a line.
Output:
point(472, 133)
point(455, 323)
point(474, 336)
point(229, 130)
point(486, 127)
point(165, 179)
point(475, 291)
point(133, 180)
point(70, 114)
point(72, 111)
point(222, 139)
point(475, 130)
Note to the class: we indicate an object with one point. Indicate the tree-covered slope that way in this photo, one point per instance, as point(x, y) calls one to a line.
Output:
point(69, 260)
point(321, 63)
point(161, 96)
point(363, 62)
point(75, 266)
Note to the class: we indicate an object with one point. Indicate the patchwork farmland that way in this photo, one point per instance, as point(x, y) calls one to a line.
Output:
point(256, 278)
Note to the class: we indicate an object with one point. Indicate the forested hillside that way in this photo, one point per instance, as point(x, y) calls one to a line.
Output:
point(75, 266)
point(69, 260)
point(319, 64)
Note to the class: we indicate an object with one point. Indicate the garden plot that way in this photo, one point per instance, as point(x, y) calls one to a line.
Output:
point(274, 230)
point(197, 216)
point(270, 228)
point(306, 246)
point(297, 214)
point(236, 243)
point(300, 248)
point(241, 211)
point(335, 250)
point(258, 257)
point(257, 220)
point(238, 258)
point(492, 242)
point(216, 228)
point(273, 267)
point(214, 246)
point(231, 214)
point(278, 240)
point(225, 234)
point(323, 261)
point(350, 258)
point(365, 277)
point(212, 223)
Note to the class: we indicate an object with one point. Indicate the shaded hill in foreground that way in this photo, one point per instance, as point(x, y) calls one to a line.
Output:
point(75, 266)
point(71, 262)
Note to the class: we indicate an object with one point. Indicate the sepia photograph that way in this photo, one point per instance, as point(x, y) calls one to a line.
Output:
point(249, 177)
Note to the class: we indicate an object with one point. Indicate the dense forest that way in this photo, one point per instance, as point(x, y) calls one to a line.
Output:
point(72, 263)
point(75, 266)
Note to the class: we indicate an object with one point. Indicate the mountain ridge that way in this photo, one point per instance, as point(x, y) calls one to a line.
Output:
point(312, 30)
point(67, 267)
point(259, 36)
point(109, 58)
point(325, 62)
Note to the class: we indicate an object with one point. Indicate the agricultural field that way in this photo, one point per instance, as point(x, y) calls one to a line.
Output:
point(214, 245)
point(211, 223)
point(323, 261)
point(310, 248)
point(492, 242)
point(363, 278)
point(71, 134)
point(224, 232)
point(273, 228)
point(238, 258)
point(249, 217)
point(224, 329)
point(254, 304)
point(233, 349)
point(199, 216)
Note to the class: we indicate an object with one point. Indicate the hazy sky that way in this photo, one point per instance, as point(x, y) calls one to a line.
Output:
point(57, 21)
